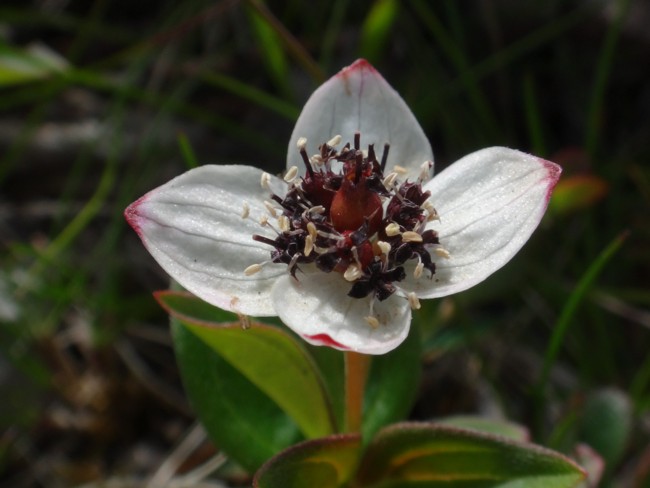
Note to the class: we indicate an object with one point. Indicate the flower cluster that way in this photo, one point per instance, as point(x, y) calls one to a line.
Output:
point(347, 242)
point(336, 220)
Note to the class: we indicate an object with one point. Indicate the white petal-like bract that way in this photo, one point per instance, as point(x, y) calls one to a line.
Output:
point(317, 307)
point(193, 227)
point(489, 203)
point(359, 99)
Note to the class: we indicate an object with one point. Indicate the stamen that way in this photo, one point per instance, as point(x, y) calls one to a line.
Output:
point(269, 206)
point(358, 167)
point(372, 321)
point(425, 170)
point(246, 211)
point(353, 273)
point(414, 301)
point(355, 254)
point(371, 152)
point(389, 181)
point(384, 246)
point(283, 223)
point(318, 209)
point(442, 252)
point(417, 272)
point(329, 235)
point(311, 228)
point(400, 170)
point(410, 236)
point(433, 213)
point(292, 264)
point(309, 245)
point(357, 140)
point(306, 162)
point(264, 222)
point(291, 174)
point(265, 181)
point(253, 268)
point(334, 141)
point(323, 250)
point(301, 143)
point(384, 157)
point(392, 229)
point(316, 160)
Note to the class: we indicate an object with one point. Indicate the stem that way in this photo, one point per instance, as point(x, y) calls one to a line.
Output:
point(356, 373)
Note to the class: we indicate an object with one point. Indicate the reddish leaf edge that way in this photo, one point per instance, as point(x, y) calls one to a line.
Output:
point(384, 434)
point(306, 446)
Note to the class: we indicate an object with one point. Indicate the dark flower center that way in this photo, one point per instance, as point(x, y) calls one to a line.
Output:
point(344, 215)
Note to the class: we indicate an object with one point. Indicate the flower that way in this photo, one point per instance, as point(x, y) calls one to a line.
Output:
point(344, 246)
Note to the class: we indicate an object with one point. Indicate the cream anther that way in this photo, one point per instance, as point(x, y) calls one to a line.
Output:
point(389, 181)
point(392, 229)
point(432, 212)
point(316, 160)
point(425, 170)
point(414, 301)
point(318, 209)
point(442, 252)
point(353, 273)
point(384, 247)
point(372, 321)
point(309, 245)
point(400, 170)
point(252, 269)
point(311, 228)
point(291, 174)
point(301, 143)
point(246, 211)
point(410, 236)
point(283, 223)
point(334, 141)
point(269, 206)
point(417, 272)
point(265, 181)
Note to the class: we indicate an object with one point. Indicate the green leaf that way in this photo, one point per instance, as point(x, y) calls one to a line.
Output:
point(431, 455)
point(331, 364)
point(503, 428)
point(324, 463)
point(392, 385)
point(241, 420)
point(267, 356)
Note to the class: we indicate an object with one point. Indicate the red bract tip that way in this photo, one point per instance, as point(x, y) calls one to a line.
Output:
point(553, 176)
point(360, 65)
point(132, 216)
point(325, 340)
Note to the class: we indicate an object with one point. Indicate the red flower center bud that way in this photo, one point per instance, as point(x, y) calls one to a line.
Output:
point(353, 205)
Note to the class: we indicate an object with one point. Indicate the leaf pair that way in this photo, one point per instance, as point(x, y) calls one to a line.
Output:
point(258, 389)
point(419, 455)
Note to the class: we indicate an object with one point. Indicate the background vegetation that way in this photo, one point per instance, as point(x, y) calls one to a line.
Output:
point(101, 101)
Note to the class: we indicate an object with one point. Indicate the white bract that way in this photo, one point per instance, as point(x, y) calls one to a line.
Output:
point(344, 246)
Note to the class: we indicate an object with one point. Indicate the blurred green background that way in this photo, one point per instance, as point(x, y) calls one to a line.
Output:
point(101, 101)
